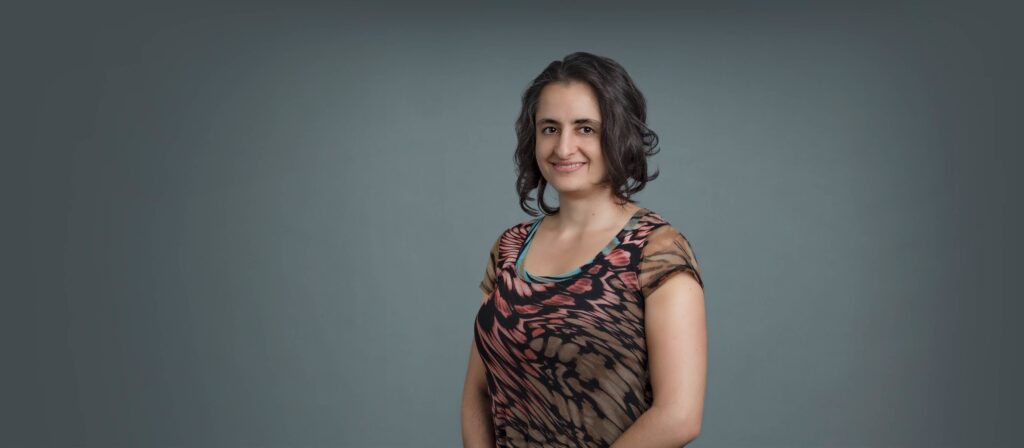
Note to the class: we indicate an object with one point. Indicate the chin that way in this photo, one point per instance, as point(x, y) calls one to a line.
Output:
point(573, 187)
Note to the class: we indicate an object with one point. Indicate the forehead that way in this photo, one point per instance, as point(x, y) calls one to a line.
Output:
point(564, 101)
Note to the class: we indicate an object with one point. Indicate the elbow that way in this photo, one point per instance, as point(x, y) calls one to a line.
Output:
point(688, 432)
point(691, 432)
point(687, 429)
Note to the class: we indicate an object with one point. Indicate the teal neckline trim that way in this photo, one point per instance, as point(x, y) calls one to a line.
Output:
point(554, 278)
point(525, 248)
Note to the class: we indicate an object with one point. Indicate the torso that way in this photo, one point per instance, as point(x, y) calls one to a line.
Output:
point(566, 360)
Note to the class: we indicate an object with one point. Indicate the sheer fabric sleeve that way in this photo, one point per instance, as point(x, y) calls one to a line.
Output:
point(666, 253)
point(487, 284)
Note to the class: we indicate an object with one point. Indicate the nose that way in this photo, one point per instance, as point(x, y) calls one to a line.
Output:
point(566, 145)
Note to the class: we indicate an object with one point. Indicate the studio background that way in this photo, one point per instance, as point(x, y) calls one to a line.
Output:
point(232, 225)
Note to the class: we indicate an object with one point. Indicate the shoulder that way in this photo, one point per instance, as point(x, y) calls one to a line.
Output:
point(510, 237)
point(659, 233)
point(651, 226)
point(666, 250)
point(514, 231)
point(654, 227)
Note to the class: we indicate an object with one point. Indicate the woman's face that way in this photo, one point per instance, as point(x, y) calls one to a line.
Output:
point(569, 131)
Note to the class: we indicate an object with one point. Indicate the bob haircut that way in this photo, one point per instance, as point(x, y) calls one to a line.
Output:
point(626, 141)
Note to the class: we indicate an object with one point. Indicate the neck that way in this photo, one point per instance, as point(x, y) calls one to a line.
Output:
point(583, 215)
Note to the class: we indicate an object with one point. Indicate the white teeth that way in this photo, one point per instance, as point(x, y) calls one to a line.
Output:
point(574, 165)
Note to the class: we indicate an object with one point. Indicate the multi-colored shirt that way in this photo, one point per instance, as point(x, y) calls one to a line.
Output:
point(566, 355)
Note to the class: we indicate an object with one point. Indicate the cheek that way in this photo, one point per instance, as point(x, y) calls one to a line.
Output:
point(541, 146)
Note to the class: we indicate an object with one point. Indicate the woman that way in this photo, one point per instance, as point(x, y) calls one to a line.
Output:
point(584, 336)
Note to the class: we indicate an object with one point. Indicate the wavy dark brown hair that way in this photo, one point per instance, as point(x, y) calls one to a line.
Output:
point(626, 141)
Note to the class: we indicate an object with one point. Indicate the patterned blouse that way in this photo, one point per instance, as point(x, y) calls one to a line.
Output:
point(566, 355)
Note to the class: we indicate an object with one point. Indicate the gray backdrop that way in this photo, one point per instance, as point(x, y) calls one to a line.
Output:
point(264, 225)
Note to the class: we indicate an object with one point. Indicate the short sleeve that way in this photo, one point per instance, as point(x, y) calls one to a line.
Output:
point(487, 284)
point(666, 252)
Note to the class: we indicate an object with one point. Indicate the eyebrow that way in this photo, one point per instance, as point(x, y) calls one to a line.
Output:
point(587, 121)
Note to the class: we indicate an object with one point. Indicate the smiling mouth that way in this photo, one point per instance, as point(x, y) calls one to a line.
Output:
point(568, 167)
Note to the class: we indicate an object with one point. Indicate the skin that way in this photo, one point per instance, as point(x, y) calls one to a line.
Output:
point(568, 129)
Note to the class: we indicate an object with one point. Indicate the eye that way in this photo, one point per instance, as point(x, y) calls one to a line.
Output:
point(544, 130)
point(588, 128)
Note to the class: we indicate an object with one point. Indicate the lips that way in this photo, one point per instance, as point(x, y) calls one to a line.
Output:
point(568, 167)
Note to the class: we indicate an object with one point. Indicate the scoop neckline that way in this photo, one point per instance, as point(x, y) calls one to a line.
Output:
point(525, 276)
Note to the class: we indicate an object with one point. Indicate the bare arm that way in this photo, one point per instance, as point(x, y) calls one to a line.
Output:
point(477, 426)
point(677, 354)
